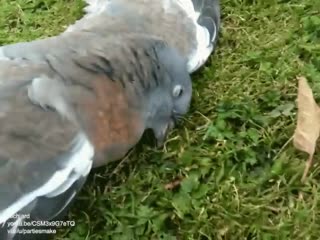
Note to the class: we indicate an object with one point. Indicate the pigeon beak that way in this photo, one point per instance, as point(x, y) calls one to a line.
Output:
point(163, 136)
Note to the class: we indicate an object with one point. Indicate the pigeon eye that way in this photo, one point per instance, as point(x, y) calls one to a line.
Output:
point(177, 91)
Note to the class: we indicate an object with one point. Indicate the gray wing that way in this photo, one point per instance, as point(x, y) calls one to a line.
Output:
point(37, 50)
point(44, 155)
point(192, 26)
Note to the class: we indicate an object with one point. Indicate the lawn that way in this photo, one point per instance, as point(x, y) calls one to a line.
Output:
point(233, 170)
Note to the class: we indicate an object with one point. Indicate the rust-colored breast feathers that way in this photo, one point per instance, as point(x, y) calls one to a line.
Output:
point(110, 118)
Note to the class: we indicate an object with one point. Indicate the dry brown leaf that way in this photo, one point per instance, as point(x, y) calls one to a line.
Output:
point(308, 123)
point(174, 184)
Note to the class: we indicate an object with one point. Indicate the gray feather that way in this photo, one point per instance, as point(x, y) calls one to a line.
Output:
point(196, 21)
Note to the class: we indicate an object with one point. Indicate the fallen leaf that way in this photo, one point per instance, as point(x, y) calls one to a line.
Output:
point(174, 184)
point(308, 123)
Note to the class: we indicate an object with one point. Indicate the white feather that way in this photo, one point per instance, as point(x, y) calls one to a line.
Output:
point(96, 6)
point(84, 154)
point(2, 55)
point(13, 230)
point(203, 51)
point(66, 204)
point(54, 98)
point(81, 170)
point(204, 43)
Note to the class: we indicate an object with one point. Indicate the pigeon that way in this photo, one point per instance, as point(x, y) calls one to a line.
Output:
point(66, 111)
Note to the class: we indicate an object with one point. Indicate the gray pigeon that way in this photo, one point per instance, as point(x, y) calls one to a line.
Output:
point(80, 106)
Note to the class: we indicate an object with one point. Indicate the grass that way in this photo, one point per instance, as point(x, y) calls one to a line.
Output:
point(241, 174)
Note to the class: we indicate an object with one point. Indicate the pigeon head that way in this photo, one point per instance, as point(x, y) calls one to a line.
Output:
point(171, 100)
